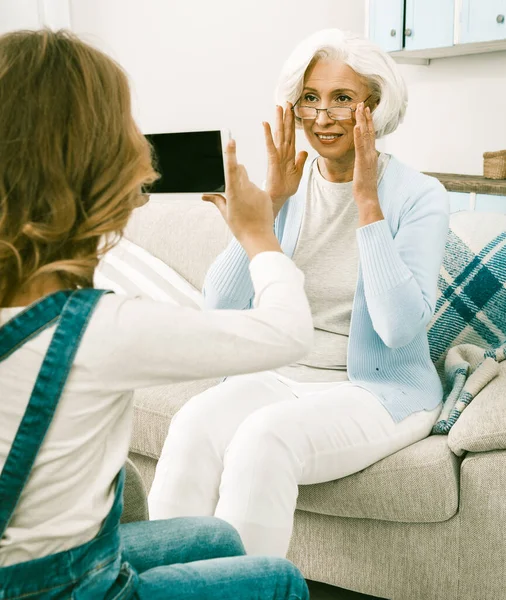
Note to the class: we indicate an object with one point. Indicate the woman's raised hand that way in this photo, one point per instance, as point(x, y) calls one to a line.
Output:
point(284, 170)
point(365, 175)
point(246, 208)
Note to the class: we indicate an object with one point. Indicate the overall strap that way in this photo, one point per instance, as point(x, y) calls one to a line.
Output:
point(48, 388)
point(30, 322)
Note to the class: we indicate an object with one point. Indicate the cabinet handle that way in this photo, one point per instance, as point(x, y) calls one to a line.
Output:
point(408, 32)
point(393, 32)
point(500, 18)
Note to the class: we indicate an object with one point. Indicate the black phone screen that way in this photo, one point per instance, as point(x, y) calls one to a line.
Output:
point(188, 162)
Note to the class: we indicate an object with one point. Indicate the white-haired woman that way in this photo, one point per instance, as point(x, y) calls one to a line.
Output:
point(369, 234)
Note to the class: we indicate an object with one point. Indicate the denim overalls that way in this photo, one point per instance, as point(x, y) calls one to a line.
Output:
point(93, 570)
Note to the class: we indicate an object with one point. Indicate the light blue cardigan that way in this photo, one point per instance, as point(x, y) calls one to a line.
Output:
point(400, 259)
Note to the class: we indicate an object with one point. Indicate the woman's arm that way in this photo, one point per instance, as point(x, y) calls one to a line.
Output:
point(228, 282)
point(400, 274)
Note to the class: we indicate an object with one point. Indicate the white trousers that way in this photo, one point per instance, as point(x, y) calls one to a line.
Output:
point(240, 450)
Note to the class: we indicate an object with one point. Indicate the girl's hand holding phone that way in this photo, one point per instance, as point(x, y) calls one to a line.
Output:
point(246, 208)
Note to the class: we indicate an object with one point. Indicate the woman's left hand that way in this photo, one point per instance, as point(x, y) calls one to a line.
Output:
point(365, 176)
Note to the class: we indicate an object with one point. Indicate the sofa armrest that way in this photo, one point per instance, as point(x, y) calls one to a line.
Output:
point(482, 425)
point(135, 500)
point(482, 538)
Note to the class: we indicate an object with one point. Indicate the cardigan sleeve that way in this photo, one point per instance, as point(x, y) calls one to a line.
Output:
point(228, 283)
point(400, 273)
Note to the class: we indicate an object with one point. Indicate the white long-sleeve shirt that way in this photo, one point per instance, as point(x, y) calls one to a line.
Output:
point(129, 344)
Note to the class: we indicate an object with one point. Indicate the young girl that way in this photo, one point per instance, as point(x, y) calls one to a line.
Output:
point(72, 166)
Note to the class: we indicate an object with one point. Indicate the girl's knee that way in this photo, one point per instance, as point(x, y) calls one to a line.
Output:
point(290, 582)
point(222, 537)
point(294, 582)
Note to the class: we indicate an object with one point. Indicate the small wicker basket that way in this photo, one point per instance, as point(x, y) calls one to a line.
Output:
point(494, 164)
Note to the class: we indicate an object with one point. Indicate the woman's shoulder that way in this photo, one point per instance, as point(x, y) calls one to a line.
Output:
point(401, 175)
point(405, 190)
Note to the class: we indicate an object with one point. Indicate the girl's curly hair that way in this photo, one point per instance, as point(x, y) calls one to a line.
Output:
point(72, 160)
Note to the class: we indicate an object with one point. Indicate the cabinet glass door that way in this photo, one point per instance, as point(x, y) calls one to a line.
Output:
point(482, 21)
point(429, 24)
point(386, 19)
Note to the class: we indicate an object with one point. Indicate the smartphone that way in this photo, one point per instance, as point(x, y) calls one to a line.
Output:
point(189, 162)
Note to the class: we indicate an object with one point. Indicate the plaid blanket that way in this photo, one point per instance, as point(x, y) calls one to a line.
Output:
point(468, 369)
point(471, 304)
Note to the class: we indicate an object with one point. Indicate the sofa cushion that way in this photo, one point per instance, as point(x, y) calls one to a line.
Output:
point(419, 484)
point(184, 232)
point(153, 410)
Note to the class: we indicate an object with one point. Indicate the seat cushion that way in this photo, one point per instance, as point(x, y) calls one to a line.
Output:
point(419, 484)
point(153, 410)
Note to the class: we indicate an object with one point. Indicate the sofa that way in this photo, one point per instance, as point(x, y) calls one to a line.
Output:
point(421, 524)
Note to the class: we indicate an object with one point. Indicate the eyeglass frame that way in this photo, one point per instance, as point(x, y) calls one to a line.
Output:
point(352, 110)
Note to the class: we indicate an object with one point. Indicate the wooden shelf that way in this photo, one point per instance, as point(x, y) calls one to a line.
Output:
point(471, 183)
point(423, 57)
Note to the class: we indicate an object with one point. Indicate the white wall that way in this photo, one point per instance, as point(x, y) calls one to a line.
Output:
point(32, 14)
point(456, 111)
point(208, 63)
point(215, 63)
point(19, 14)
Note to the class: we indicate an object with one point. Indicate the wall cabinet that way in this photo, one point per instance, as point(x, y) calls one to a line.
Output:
point(433, 24)
point(482, 20)
point(428, 24)
point(477, 202)
point(386, 23)
point(474, 192)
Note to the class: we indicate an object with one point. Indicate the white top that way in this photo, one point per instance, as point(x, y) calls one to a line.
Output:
point(131, 343)
point(327, 254)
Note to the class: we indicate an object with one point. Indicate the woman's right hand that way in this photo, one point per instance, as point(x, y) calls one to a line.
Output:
point(246, 208)
point(284, 170)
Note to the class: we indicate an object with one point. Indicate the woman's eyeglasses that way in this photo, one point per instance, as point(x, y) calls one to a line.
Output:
point(336, 113)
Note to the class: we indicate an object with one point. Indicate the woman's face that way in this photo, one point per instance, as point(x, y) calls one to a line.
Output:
point(330, 83)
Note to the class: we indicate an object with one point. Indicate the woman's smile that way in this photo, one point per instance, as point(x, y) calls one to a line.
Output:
point(328, 139)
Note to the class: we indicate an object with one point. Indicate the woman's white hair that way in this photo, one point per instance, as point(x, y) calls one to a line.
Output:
point(364, 57)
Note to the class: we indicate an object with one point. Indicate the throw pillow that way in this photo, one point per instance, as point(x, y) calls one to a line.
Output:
point(130, 270)
point(471, 301)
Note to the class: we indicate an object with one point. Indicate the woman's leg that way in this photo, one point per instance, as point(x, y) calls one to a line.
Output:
point(318, 437)
point(203, 558)
point(189, 471)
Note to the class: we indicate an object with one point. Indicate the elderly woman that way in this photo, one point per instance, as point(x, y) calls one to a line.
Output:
point(369, 234)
